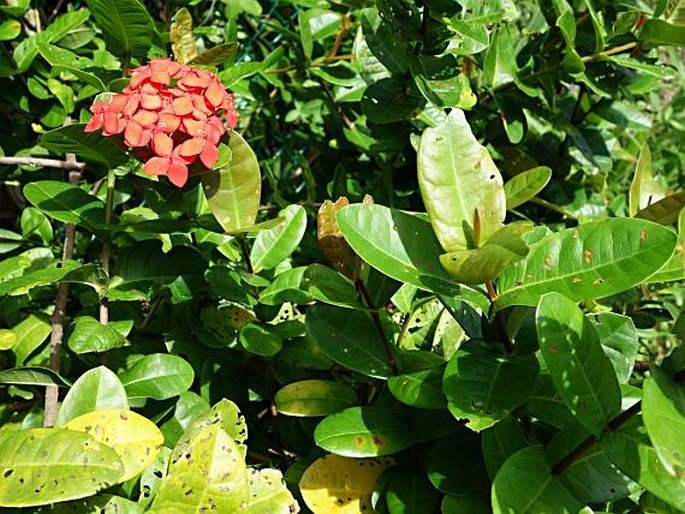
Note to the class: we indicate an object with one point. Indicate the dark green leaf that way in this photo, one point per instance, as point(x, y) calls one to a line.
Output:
point(126, 24)
point(89, 335)
point(91, 147)
point(34, 376)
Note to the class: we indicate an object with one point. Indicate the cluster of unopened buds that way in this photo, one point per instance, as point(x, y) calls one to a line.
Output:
point(170, 115)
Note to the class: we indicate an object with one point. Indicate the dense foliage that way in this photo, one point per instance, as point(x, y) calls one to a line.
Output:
point(426, 256)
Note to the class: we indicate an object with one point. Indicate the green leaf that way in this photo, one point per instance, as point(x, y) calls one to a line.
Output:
point(328, 286)
point(126, 25)
point(261, 339)
point(593, 260)
point(500, 67)
point(660, 32)
point(525, 483)
point(9, 240)
point(631, 451)
point(29, 335)
point(98, 504)
point(98, 388)
point(504, 247)
point(181, 35)
point(370, 431)
point(9, 29)
point(619, 341)
point(403, 246)
point(89, 335)
point(582, 374)
point(305, 30)
point(216, 55)
point(644, 190)
point(52, 274)
point(349, 338)
point(33, 375)
point(459, 182)
point(268, 493)
point(466, 504)
point(484, 386)
point(228, 416)
point(233, 191)
point(206, 472)
point(152, 478)
point(435, 78)
point(158, 376)
point(66, 203)
point(421, 389)
point(286, 287)
point(663, 412)
point(526, 185)
point(664, 211)
point(274, 245)
point(410, 493)
point(136, 439)
point(314, 398)
point(500, 442)
point(390, 50)
point(463, 446)
point(91, 147)
point(35, 225)
point(39, 466)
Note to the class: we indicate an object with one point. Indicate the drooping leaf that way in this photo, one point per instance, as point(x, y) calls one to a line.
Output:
point(499, 67)
point(369, 431)
point(525, 483)
point(181, 36)
point(66, 203)
point(339, 485)
point(593, 260)
point(32, 375)
point(484, 386)
point(234, 190)
point(39, 466)
point(644, 190)
point(582, 374)
point(524, 186)
point(314, 398)
point(90, 147)
point(665, 211)
point(98, 388)
point(402, 246)
point(274, 245)
point(459, 182)
point(349, 338)
point(158, 376)
point(126, 25)
point(136, 439)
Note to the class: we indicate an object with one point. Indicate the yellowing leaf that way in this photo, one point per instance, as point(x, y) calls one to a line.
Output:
point(331, 241)
point(644, 190)
point(341, 485)
point(136, 439)
point(181, 35)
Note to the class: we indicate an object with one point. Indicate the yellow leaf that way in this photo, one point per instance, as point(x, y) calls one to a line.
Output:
point(136, 439)
point(341, 485)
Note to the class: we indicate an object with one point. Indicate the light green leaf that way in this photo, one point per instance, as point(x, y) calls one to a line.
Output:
point(29, 335)
point(158, 376)
point(181, 36)
point(98, 388)
point(268, 493)
point(9, 29)
point(274, 245)
point(500, 67)
point(644, 190)
point(421, 389)
point(660, 32)
point(370, 431)
point(32, 375)
point(593, 260)
point(459, 182)
point(233, 191)
point(314, 398)
point(524, 186)
point(228, 416)
point(582, 374)
point(89, 335)
point(39, 466)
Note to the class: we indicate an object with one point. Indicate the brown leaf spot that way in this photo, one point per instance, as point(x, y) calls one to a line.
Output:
point(643, 235)
point(552, 348)
point(588, 256)
point(377, 441)
point(599, 281)
point(359, 440)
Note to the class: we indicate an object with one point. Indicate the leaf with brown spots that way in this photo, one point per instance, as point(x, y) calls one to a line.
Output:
point(331, 241)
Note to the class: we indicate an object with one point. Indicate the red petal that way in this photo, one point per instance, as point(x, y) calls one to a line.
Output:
point(178, 173)
point(209, 155)
point(151, 102)
point(194, 128)
point(162, 144)
point(194, 81)
point(94, 124)
point(182, 106)
point(131, 106)
point(157, 166)
point(139, 77)
point(168, 122)
point(191, 147)
point(98, 107)
point(133, 135)
point(146, 118)
point(117, 103)
point(160, 77)
point(111, 121)
point(215, 94)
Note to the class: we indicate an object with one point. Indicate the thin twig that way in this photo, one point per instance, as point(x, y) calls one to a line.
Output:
point(46, 163)
point(57, 320)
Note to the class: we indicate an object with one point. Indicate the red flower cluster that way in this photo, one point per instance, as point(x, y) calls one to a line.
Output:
point(170, 113)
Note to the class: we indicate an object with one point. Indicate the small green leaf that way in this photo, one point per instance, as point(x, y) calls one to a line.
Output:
point(363, 432)
point(459, 182)
point(582, 374)
point(233, 191)
point(525, 483)
point(500, 442)
point(9, 30)
point(421, 389)
point(98, 388)
point(526, 185)
point(274, 245)
point(329, 286)
point(90, 335)
point(314, 398)
point(500, 67)
point(261, 339)
point(39, 466)
point(35, 225)
point(158, 376)
point(664, 211)
point(410, 493)
point(644, 190)
point(619, 341)
point(216, 56)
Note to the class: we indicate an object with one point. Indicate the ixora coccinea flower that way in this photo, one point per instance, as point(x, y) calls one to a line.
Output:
point(170, 114)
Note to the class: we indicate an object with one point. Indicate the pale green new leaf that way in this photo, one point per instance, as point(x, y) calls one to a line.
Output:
point(644, 190)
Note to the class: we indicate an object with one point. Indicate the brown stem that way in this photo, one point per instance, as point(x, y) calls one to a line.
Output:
point(246, 254)
point(46, 163)
point(612, 426)
point(57, 321)
point(379, 326)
